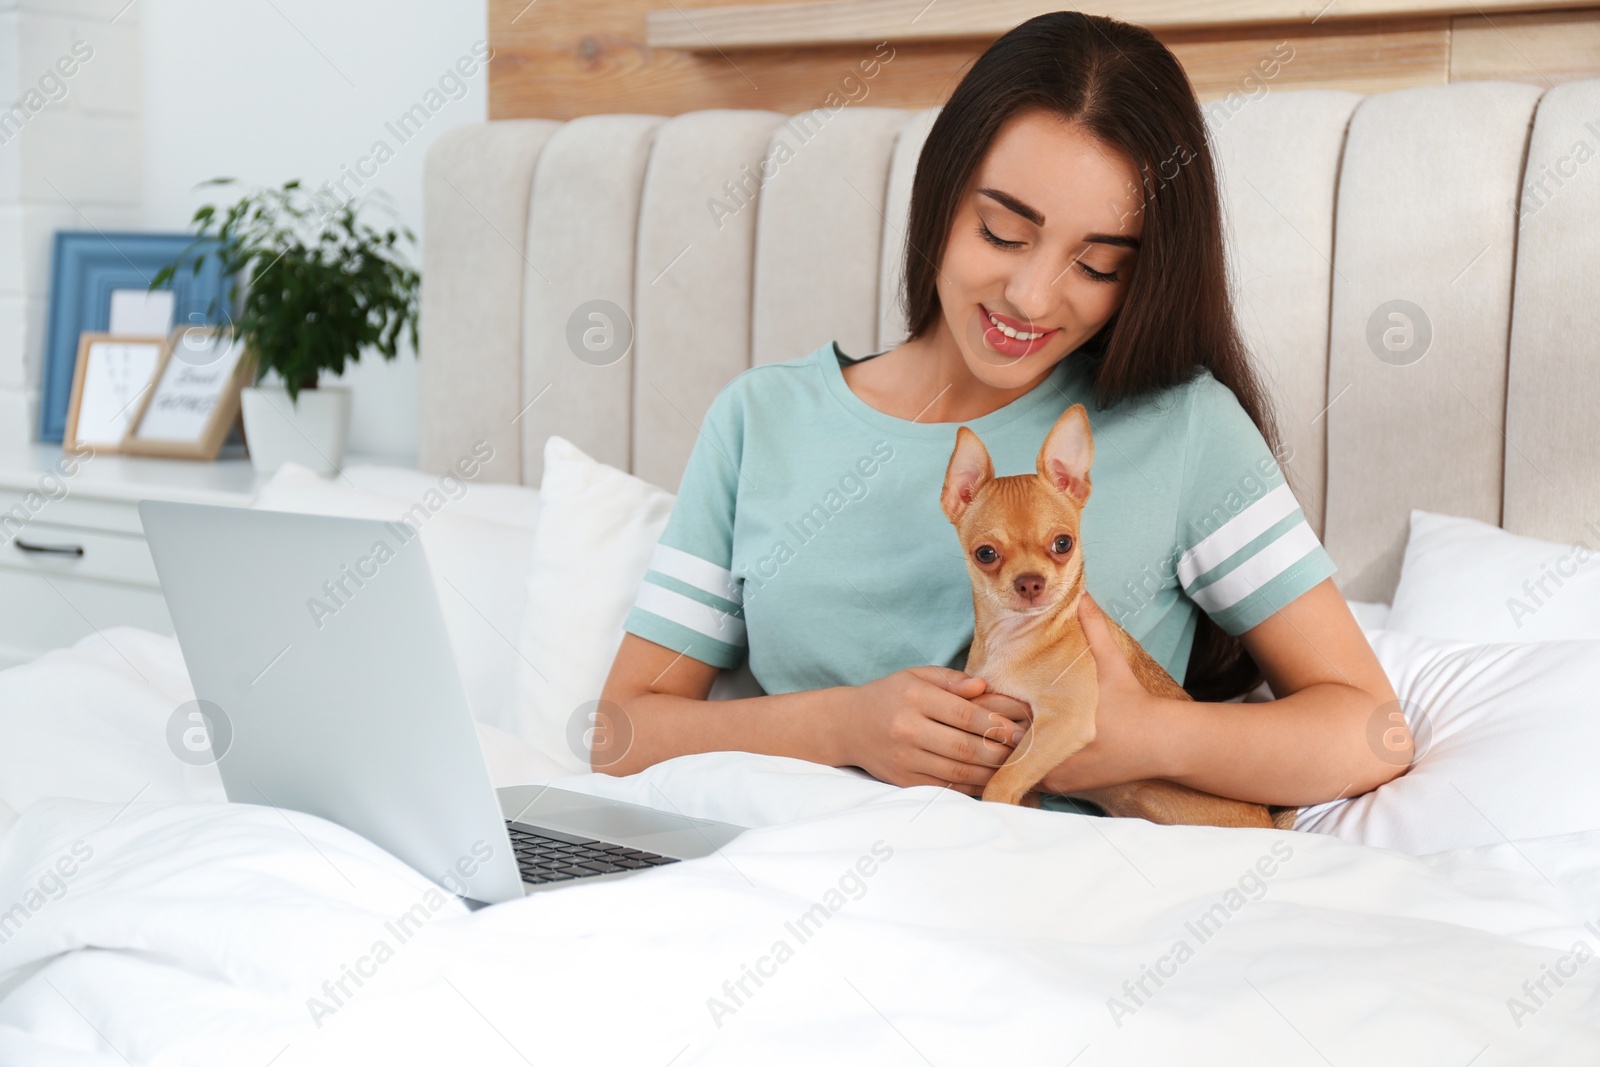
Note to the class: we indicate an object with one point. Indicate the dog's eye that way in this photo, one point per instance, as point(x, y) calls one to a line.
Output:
point(1063, 544)
point(986, 554)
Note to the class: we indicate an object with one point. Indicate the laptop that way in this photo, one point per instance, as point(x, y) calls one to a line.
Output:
point(328, 685)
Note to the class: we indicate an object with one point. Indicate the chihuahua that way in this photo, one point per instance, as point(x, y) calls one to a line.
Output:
point(1021, 539)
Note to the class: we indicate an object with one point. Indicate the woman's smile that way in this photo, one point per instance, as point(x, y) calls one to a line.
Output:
point(1009, 337)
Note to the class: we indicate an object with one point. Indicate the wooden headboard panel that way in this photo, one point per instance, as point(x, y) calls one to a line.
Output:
point(559, 59)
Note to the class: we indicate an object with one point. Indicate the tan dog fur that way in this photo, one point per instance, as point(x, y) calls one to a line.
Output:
point(1035, 650)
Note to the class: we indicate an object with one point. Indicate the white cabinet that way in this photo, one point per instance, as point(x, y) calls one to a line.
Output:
point(73, 558)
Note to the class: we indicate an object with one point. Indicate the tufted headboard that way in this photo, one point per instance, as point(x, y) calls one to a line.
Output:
point(1472, 203)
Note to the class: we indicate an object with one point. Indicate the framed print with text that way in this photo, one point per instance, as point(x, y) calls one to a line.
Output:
point(187, 411)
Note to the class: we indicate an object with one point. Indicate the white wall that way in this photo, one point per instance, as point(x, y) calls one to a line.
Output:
point(264, 92)
point(69, 158)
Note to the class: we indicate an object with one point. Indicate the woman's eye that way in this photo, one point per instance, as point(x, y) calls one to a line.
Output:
point(999, 242)
point(1063, 544)
point(985, 554)
point(996, 241)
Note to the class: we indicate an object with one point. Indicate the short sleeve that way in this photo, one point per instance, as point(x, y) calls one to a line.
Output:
point(689, 600)
point(1245, 546)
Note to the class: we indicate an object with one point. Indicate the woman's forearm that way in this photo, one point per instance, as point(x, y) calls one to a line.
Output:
point(1323, 742)
point(652, 727)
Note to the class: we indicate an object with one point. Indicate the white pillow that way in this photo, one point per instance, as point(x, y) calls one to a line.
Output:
point(479, 568)
point(598, 527)
point(1469, 581)
point(1505, 735)
point(1370, 614)
point(513, 505)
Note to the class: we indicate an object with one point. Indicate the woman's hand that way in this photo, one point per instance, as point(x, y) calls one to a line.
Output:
point(1018, 716)
point(1124, 720)
point(927, 726)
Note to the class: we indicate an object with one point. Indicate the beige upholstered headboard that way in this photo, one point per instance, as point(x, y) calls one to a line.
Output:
point(1470, 202)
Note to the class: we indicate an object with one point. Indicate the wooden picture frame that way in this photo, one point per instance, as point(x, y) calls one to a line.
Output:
point(193, 399)
point(110, 380)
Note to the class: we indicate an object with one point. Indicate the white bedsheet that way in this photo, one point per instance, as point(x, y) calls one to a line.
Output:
point(193, 931)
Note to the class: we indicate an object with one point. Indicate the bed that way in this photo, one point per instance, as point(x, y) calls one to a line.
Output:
point(1450, 917)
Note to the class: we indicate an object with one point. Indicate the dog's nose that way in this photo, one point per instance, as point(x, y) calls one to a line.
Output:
point(1029, 586)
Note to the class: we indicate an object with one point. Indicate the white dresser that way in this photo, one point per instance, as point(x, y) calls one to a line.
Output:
point(73, 558)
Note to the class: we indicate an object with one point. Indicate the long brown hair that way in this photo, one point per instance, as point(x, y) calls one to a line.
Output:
point(1121, 85)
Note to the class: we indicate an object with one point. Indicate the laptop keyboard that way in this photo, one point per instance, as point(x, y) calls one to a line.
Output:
point(550, 856)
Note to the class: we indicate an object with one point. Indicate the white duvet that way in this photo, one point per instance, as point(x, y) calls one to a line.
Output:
point(150, 923)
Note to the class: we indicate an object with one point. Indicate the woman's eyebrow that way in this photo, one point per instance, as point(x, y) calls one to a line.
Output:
point(1006, 200)
point(1035, 216)
point(1118, 239)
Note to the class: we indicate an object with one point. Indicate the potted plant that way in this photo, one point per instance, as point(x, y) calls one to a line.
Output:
point(320, 288)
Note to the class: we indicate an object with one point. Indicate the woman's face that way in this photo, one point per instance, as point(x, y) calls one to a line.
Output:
point(1068, 211)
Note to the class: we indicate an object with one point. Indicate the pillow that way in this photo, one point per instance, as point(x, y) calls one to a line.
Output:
point(1469, 581)
point(513, 505)
point(1370, 615)
point(598, 527)
point(479, 568)
point(1505, 737)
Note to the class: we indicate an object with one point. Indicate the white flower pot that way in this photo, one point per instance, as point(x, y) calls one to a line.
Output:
point(311, 431)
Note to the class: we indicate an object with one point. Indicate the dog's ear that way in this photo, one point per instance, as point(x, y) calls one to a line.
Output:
point(1067, 452)
point(968, 472)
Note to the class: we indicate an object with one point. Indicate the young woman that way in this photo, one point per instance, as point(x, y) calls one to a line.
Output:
point(1065, 245)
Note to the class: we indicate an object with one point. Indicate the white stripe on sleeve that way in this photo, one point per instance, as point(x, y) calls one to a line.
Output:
point(700, 573)
point(1275, 558)
point(1234, 534)
point(687, 611)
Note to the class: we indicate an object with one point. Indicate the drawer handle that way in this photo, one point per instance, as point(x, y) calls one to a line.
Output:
point(75, 551)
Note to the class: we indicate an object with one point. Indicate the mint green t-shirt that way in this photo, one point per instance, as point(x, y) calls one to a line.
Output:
point(808, 534)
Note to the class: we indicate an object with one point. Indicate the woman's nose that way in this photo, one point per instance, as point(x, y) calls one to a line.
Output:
point(1030, 293)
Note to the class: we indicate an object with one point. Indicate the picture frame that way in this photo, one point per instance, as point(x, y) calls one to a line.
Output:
point(111, 377)
point(193, 398)
point(87, 268)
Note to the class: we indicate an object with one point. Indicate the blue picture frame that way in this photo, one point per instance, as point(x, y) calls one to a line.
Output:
point(86, 266)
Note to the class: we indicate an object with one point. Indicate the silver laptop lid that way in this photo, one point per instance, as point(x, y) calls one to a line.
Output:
point(322, 643)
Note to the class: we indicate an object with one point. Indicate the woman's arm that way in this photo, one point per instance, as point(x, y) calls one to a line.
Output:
point(918, 726)
point(653, 707)
point(1336, 730)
